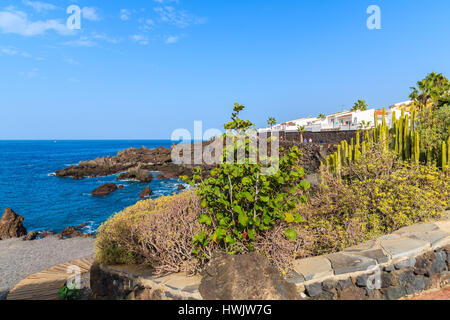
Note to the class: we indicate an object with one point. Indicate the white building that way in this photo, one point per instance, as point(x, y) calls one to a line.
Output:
point(346, 120)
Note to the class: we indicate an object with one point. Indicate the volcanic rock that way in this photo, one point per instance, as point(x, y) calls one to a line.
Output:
point(73, 232)
point(147, 192)
point(11, 225)
point(105, 189)
point(137, 174)
point(244, 277)
point(31, 236)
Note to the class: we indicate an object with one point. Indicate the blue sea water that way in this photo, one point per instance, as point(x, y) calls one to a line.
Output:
point(51, 203)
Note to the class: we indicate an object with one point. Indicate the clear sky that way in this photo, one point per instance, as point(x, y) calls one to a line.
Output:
point(140, 69)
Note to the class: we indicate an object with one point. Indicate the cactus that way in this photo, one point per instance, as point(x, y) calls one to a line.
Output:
point(400, 137)
point(357, 153)
point(444, 156)
point(416, 148)
point(406, 141)
point(350, 154)
point(357, 138)
point(448, 153)
point(338, 160)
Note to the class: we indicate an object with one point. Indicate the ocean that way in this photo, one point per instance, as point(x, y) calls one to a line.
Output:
point(51, 203)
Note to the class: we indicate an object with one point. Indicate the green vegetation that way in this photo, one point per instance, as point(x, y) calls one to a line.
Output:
point(419, 138)
point(271, 122)
point(65, 293)
point(433, 91)
point(360, 105)
point(300, 130)
point(374, 196)
point(240, 200)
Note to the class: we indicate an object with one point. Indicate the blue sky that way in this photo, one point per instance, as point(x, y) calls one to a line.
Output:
point(140, 69)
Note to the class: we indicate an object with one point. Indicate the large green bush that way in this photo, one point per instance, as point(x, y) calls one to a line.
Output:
point(241, 201)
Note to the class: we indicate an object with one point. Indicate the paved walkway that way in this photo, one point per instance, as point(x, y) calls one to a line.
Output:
point(45, 285)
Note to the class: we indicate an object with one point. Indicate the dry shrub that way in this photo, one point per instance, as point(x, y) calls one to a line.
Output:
point(166, 237)
point(155, 232)
point(281, 251)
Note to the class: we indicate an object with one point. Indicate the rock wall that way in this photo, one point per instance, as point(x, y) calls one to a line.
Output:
point(409, 261)
point(326, 137)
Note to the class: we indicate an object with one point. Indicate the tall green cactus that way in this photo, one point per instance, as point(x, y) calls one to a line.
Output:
point(448, 154)
point(357, 153)
point(444, 156)
point(400, 137)
point(406, 137)
point(416, 147)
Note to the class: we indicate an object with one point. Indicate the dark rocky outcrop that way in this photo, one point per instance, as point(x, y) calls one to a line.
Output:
point(31, 236)
point(160, 160)
point(150, 159)
point(11, 225)
point(106, 189)
point(244, 277)
point(45, 233)
point(137, 174)
point(181, 187)
point(161, 177)
point(147, 192)
point(73, 232)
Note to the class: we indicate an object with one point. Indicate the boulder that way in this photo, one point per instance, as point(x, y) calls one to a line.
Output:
point(105, 189)
point(31, 236)
point(137, 174)
point(11, 225)
point(161, 177)
point(73, 232)
point(45, 233)
point(244, 277)
point(181, 187)
point(147, 192)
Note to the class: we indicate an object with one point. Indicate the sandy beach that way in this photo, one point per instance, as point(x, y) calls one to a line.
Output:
point(19, 259)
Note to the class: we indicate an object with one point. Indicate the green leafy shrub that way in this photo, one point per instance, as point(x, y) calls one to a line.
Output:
point(241, 201)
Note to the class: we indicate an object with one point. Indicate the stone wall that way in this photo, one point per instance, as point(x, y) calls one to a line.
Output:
point(326, 137)
point(409, 261)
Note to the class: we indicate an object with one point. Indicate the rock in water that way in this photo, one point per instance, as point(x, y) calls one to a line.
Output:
point(11, 225)
point(136, 174)
point(105, 189)
point(73, 232)
point(244, 277)
point(147, 192)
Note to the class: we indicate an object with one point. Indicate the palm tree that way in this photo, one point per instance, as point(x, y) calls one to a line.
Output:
point(365, 125)
point(271, 122)
point(321, 116)
point(434, 90)
point(360, 105)
point(300, 130)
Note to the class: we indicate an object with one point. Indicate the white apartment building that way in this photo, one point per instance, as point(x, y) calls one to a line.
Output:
point(346, 120)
